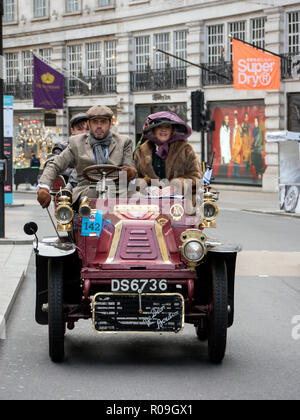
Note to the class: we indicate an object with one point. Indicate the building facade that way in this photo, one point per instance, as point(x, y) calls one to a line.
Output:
point(109, 45)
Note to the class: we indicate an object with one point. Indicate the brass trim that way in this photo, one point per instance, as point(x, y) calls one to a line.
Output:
point(211, 203)
point(64, 228)
point(136, 294)
point(177, 212)
point(193, 235)
point(61, 206)
point(115, 242)
point(161, 243)
point(150, 210)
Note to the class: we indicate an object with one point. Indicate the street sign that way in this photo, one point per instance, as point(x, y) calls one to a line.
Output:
point(8, 146)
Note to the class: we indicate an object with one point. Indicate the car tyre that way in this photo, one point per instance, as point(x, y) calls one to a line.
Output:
point(218, 311)
point(56, 310)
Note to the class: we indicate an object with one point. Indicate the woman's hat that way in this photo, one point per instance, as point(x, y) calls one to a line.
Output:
point(160, 118)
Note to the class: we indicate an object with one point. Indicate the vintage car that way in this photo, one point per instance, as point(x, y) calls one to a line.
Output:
point(142, 267)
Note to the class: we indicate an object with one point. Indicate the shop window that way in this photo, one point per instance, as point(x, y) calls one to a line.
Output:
point(32, 137)
point(239, 142)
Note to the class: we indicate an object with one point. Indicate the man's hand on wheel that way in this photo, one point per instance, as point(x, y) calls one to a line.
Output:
point(44, 197)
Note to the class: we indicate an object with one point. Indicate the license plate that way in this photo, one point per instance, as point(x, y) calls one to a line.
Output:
point(148, 313)
point(139, 286)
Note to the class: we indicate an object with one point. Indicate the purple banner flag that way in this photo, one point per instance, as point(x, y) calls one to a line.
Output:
point(48, 86)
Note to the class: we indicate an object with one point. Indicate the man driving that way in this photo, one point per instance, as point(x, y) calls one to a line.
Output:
point(100, 146)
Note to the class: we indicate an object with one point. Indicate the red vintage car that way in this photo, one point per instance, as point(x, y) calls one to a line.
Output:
point(134, 267)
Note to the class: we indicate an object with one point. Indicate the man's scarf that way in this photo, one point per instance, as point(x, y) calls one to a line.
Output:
point(100, 148)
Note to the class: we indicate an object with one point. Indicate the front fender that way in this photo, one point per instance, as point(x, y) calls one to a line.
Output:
point(228, 253)
point(52, 248)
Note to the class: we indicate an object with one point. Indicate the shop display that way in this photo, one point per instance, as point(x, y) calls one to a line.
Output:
point(32, 137)
point(239, 142)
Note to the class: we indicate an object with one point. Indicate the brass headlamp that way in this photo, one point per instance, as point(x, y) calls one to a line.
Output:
point(209, 210)
point(84, 208)
point(193, 247)
point(64, 213)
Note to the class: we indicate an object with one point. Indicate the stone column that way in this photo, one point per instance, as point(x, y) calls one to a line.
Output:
point(195, 54)
point(274, 100)
point(62, 120)
point(124, 97)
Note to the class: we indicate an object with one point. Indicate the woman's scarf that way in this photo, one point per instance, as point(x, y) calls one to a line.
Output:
point(100, 148)
point(163, 148)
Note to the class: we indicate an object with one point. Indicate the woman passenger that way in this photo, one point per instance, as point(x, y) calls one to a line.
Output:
point(167, 155)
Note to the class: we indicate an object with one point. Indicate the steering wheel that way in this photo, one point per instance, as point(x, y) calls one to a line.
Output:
point(101, 170)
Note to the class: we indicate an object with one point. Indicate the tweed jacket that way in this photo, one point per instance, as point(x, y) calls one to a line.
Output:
point(79, 155)
point(182, 163)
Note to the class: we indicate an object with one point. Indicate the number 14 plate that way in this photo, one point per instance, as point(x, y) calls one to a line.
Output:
point(139, 286)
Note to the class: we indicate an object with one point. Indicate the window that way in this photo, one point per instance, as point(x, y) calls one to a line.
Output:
point(46, 54)
point(12, 67)
point(110, 57)
point(162, 42)
point(75, 59)
point(110, 48)
point(9, 10)
point(93, 55)
point(39, 8)
point(27, 67)
point(103, 3)
point(215, 43)
point(72, 6)
point(180, 46)
point(142, 52)
point(294, 32)
point(237, 30)
point(258, 32)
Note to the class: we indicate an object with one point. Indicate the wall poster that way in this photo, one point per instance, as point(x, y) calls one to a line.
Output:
point(239, 142)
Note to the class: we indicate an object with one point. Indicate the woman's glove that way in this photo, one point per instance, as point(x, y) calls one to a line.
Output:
point(44, 197)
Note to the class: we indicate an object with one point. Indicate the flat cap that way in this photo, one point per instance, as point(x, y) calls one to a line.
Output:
point(99, 111)
point(78, 118)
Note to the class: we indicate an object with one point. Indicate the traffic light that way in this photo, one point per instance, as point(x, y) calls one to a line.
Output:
point(201, 118)
point(197, 110)
point(209, 124)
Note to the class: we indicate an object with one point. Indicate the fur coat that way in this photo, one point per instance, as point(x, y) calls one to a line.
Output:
point(182, 164)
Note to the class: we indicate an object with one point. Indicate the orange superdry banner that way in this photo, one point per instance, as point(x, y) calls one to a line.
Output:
point(254, 69)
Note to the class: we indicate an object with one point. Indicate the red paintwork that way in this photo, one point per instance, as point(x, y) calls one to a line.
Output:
point(138, 255)
point(138, 245)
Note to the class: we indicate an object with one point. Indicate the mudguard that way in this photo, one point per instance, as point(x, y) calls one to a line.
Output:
point(52, 248)
point(229, 254)
point(71, 278)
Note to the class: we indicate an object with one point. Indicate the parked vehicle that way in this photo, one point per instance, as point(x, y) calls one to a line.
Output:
point(142, 268)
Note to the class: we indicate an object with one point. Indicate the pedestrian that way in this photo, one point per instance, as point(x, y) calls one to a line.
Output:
point(35, 162)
